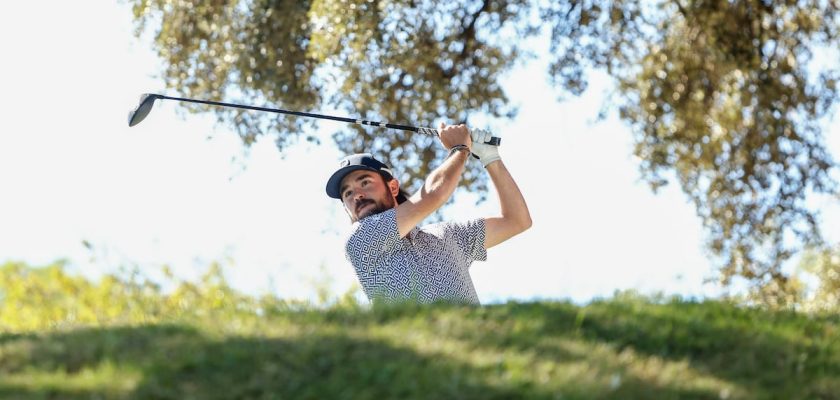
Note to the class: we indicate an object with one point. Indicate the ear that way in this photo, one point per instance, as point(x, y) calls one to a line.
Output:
point(394, 187)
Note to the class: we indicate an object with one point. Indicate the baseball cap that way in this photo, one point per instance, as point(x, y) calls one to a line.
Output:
point(356, 162)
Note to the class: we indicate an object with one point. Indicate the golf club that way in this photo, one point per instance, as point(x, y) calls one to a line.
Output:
point(147, 100)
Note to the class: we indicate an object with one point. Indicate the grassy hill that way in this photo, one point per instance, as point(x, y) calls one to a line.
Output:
point(622, 348)
point(123, 337)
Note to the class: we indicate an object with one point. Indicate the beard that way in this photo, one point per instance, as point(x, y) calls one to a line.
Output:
point(378, 207)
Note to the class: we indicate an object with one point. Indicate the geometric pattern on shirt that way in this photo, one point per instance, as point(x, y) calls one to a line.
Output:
point(431, 263)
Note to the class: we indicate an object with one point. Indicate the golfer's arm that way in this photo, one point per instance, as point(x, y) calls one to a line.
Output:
point(437, 188)
point(515, 217)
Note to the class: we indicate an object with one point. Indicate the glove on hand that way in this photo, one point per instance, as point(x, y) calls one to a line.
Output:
point(487, 153)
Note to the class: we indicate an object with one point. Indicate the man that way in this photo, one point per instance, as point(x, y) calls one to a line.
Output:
point(397, 260)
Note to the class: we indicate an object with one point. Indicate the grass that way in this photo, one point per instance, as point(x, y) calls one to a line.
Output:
point(622, 348)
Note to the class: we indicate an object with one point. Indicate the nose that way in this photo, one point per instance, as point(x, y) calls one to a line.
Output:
point(358, 199)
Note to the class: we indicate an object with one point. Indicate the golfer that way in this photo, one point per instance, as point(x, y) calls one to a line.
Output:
point(395, 259)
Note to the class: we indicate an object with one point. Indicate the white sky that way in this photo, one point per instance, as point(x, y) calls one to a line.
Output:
point(179, 191)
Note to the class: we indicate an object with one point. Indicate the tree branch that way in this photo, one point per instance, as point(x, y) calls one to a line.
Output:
point(682, 9)
point(468, 34)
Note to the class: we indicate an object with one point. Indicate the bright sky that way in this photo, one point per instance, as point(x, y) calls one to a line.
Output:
point(179, 191)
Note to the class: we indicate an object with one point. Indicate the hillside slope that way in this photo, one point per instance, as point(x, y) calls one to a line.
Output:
point(622, 348)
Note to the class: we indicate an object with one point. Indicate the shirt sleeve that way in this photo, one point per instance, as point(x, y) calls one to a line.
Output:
point(372, 238)
point(470, 237)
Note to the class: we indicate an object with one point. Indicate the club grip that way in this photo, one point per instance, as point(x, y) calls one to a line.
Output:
point(494, 141)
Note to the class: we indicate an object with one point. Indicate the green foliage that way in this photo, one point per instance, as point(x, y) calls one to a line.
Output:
point(205, 341)
point(403, 62)
point(722, 94)
point(823, 264)
point(50, 298)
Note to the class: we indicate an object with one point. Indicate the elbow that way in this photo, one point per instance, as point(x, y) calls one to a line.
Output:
point(518, 222)
point(524, 223)
point(527, 223)
point(524, 218)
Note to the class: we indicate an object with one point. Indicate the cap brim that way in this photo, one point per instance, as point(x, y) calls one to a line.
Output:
point(334, 183)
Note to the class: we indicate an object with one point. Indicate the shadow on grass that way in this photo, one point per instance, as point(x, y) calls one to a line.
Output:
point(177, 362)
point(758, 351)
point(768, 354)
point(12, 391)
point(771, 354)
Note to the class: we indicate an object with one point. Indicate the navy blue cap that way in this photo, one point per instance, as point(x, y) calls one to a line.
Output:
point(352, 163)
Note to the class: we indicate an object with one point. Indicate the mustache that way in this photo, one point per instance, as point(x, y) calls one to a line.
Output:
point(362, 203)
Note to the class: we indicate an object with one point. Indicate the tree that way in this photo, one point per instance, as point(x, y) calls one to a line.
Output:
point(389, 61)
point(722, 94)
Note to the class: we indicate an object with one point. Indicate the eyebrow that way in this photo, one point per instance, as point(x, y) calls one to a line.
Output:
point(358, 178)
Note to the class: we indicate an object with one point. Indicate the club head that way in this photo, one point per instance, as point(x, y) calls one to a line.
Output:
point(136, 115)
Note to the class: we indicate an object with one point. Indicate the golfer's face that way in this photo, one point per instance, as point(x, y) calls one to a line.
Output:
point(364, 193)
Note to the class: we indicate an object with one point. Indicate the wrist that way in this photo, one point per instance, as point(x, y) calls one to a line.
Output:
point(458, 148)
point(490, 158)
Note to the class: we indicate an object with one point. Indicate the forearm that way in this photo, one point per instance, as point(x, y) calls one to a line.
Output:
point(443, 181)
point(515, 217)
point(440, 184)
point(513, 207)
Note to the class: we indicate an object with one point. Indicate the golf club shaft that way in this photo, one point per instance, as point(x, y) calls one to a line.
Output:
point(426, 131)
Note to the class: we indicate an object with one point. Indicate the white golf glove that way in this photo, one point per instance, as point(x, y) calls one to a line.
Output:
point(487, 153)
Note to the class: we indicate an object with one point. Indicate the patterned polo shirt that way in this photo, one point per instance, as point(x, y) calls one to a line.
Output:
point(429, 264)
